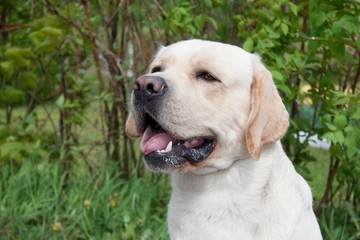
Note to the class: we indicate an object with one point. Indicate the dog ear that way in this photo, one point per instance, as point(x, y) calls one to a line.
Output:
point(268, 119)
point(130, 127)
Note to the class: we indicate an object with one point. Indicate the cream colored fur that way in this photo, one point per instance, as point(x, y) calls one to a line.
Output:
point(247, 188)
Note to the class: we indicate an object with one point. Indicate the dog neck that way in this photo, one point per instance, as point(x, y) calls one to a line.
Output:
point(238, 190)
point(239, 173)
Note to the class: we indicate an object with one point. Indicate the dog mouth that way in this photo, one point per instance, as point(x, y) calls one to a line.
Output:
point(160, 147)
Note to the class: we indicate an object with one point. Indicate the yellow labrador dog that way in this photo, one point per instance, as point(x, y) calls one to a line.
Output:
point(209, 114)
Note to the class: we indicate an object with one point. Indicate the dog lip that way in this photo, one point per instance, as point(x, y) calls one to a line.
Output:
point(159, 157)
point(161, 140)
point(179, 155)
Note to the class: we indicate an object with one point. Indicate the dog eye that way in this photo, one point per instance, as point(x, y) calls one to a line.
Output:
point(207, 76)
point(156, 69)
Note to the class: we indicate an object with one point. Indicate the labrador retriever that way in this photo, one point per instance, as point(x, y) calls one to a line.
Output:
point(209, 114)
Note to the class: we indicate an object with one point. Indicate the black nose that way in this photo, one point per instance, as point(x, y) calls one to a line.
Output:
point(150, 86)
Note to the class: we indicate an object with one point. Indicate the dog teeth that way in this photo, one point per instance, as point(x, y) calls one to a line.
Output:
point(168, 147)
point(191, 143)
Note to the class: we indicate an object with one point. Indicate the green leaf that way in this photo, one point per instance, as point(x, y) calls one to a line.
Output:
point(11, 150)
point(248, 45)
point(351, 27)
point(207, 3)
point(284, 28)
point(10, 96)
point(23, 57)
point(266, 43)
point(212, 22)
point(340, 121)
point(271, 33)
point(298, 61)
point(350, 23)
point(277, 75)
point(60, 101)
point(276, 23)
point(314, 46)
point(356, 114)
point(339, 49)
point(48, 20)
point(265, 15)
point(337, 27)
point(4, 132)
point(329, 136)
point(27, 82)
point(351, 146)
point(330, 126)
point(284, 88)
point(52, 31)
point(199, 22)
point(192, 29)
point(47, 38)
point(7, 67)
point(339, 137)
point(318, 18)
point(69, 10)
point(293, 7)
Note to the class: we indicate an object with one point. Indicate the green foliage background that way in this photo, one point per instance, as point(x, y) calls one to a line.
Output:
point(67, 169)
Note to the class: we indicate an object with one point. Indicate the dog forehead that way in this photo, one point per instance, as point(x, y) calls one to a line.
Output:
point(201, 48)
point(230, 61)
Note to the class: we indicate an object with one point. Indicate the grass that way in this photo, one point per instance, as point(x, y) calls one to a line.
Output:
point(337, 223)
point(317, 172)
point(37, 203)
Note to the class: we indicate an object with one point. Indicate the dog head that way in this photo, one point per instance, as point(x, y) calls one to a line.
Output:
point(204, 105)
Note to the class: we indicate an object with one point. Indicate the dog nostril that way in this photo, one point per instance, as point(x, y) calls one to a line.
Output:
point(155, 87)
point(150, 88)
point(136, 86)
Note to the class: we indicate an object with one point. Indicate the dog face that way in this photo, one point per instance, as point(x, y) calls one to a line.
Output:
point(204, 105)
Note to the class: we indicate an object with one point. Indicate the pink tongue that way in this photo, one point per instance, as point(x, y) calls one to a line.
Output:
point(152, 141)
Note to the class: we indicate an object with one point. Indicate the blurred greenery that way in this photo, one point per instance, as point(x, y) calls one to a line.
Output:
point(68, 171)
point(96, 205)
